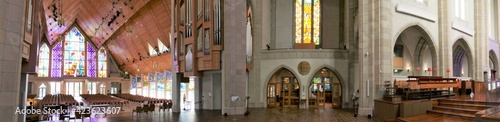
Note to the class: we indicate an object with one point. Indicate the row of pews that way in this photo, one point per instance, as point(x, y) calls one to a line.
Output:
point(100, 99)
point(58, 99)
point(426, 87)
point(141, 99)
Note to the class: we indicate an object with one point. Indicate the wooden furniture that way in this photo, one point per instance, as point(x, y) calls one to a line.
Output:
point(137, 110)
point(100, 99)
point(141, 99)
point(422, 87)
point(152, 108)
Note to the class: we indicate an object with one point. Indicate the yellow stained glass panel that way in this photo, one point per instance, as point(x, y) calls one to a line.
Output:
point(298, 21)
point(316, 19)
point(307, 22)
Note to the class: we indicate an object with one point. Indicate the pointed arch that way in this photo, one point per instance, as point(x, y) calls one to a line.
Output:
point(461, 53)
point(43, 60)
point(493, 64)
point(424, 44)
point(102, 63)
point(282, 85)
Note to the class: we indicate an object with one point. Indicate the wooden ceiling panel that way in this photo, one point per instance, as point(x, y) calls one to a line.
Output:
point(127, 36)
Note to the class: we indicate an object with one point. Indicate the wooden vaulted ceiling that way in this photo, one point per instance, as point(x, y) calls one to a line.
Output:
point(143, 22)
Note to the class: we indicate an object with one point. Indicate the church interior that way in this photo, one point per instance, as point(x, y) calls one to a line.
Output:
point(249, 60)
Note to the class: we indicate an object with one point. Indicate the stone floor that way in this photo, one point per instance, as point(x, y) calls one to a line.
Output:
point(256, 115)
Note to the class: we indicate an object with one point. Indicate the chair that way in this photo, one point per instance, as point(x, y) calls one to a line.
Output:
point(163, 106)
point(86, 113)
point(78, 114)
point(145, 109)
point(137, 110)
point(152, 108)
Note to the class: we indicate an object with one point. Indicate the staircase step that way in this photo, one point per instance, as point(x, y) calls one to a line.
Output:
point(469, 102)
point(468, 116)
point(461, 105)
point(455, 109)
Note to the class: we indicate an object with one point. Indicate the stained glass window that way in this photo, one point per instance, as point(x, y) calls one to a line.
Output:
point(103, 63)
point(56, 60)
point(43, 61)
point(307, 21)
point(74, 54)
point(91, 61)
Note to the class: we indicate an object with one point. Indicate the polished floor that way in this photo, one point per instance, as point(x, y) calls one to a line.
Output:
point(327, 114)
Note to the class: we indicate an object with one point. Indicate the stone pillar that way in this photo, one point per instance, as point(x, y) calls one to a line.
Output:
point(260, 21)
point(198, 93)
point(375, 44)
point(445, 56)
point(11, 39)
point(234, 57)
point(481, 38)
point(22, 95)
point(176, 77)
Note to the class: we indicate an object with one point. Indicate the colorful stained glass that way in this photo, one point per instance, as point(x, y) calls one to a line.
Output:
point(152, 78)
point(316, 21)
point(317, 80)
point(134, 80)
point(145, 81)
point(298, 21)
point(103, 63)
point(91, 61)
point(168, 83)
point(56, 60)
point(139, 82)
point(43, 61)
point(74, 54)
point(307, 21)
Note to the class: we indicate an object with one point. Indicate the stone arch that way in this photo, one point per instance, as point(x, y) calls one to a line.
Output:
point(494, 70)
point(343, 83)
point(460, 49)
point(425, 43)
point(271, 74)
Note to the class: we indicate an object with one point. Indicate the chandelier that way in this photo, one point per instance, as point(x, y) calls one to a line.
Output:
point(57, 13)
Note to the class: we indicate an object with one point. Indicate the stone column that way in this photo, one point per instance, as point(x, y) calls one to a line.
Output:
point(234, 57)
point(261, 24)
point(198, 92)
point(481, 39)
point(176, 77)
point(375, 44)
point(445, 56)
point(11, 39)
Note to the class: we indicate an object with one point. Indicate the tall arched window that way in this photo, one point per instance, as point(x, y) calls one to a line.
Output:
point(307, 21)
point(102, 65)
point(42, 91)
point(74, 54)
point(43, 61)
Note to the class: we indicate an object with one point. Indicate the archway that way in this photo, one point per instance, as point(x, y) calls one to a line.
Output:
point(325, 89)
point(283, 89)
point(462, 59)
point(493, 63)
point(414, 53)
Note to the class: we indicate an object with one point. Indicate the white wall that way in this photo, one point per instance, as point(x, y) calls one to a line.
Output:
point(284, 23)
point(401, 21)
